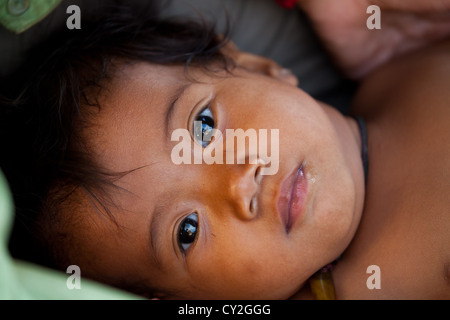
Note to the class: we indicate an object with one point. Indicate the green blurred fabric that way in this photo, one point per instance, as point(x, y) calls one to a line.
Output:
point(22, 280)
point(19, 15)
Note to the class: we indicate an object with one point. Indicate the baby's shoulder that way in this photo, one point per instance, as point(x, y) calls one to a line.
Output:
point(413, 85)
point(405, 229)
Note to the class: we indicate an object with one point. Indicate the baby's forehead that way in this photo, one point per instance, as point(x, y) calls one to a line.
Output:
point(137, 74)
point(129, 128)
point(161, 76)
point(138, 87)
point(134, 108)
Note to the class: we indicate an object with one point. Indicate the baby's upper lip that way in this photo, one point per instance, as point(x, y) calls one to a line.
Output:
point(284, 197)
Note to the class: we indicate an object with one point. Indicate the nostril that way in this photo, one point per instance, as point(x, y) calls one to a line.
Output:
point(253, 205)
point(258, 174)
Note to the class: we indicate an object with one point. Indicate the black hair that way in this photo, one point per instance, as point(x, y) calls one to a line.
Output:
point(44, 104)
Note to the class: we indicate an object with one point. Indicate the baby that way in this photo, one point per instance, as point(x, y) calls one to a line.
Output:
point(93, 128)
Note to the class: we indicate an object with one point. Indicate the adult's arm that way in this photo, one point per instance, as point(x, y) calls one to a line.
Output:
point(357, 50)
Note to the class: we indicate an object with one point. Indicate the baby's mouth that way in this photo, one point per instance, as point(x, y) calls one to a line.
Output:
point(292, 197)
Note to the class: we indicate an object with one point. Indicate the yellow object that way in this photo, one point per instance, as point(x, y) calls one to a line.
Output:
point(322, 285)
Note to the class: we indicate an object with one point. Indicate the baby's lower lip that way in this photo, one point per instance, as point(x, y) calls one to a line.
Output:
point(291, 201)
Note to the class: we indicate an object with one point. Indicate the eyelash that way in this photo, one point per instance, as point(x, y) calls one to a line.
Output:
point(186, 229)
point(202, 135)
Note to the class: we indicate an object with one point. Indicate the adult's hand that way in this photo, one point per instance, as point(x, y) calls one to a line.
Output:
point(357, 50)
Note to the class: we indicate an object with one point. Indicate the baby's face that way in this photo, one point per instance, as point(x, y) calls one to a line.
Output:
point(218, 230)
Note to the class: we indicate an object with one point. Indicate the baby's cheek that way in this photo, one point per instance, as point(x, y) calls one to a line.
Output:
point(261, 277)
point(270, 280)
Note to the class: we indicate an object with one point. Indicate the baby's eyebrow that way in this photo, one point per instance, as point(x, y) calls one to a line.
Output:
point(172, 106)
point(155, 235)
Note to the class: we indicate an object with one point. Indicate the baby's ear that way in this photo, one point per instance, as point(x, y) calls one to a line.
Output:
point(259, 64)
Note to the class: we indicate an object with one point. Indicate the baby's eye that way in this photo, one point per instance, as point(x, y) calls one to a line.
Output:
point(204, 126)
point(188, 231)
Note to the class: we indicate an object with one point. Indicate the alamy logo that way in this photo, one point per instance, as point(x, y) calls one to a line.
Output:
point(374, 21)
point(236, 147)
point(374, 280)
point(73, 281)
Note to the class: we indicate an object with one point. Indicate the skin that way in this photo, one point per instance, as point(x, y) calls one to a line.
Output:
point(239, 252)
point(404, 227)
point(407, 233)
point(405, 27)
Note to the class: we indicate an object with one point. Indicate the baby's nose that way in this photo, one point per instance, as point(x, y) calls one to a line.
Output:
point(243, 190)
